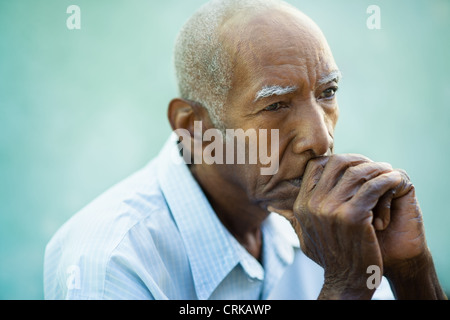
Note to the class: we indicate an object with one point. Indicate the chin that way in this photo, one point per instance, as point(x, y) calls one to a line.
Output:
point(282, 196)
point(284, 201)
point(287, 204)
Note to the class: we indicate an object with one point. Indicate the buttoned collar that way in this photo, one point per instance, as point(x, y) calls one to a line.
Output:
point(212, 251)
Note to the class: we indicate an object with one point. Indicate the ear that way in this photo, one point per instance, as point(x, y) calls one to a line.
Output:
point(182, 114)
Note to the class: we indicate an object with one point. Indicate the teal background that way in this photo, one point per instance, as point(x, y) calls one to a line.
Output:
point(82, 109)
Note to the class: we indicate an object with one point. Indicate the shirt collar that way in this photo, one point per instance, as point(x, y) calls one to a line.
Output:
point(211, 250)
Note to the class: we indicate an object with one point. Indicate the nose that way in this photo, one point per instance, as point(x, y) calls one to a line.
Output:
point(312, 131)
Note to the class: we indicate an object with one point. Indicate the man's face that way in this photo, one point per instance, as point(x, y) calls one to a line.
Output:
point(287, 53)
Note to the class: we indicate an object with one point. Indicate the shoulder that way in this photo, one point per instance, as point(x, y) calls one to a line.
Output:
point(108, 241)
point(105, 220)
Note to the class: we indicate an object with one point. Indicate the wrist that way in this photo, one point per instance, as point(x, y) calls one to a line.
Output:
point(334, 289)
point(410, 269)
point(415, 278)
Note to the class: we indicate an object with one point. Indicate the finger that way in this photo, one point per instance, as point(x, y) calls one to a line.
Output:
point(288, 214)
point(370, 192)
point(335, 168)
point(382, 211)
point(404, 187)
point(354, 177)
point(312, 175)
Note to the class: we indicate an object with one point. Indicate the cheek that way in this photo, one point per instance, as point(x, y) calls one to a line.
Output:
point(331, 119)
point(245, 177)
point(335, 115)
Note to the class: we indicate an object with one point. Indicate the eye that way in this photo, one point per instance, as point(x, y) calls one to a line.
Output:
point(275, 106)
point(328, 93)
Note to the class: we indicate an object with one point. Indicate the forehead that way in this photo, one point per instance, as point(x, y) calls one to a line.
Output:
point(279, 46)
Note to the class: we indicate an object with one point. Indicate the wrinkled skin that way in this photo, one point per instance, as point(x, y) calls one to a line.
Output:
point(348, 211)
point(334, 214)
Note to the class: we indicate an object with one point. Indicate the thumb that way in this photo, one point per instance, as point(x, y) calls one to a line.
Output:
point(288, 214)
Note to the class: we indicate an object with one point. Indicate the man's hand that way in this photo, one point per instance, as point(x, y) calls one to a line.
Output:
point(352, 213)
point(333, 218)
point(407, 260)
point(403, 235)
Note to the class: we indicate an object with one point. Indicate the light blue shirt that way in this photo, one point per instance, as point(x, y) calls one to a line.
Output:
point(155, 236)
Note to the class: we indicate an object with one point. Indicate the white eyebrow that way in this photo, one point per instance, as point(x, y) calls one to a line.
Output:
point(268, 91)
point(333, 75)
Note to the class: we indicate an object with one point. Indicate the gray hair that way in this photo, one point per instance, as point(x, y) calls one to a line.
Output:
point(203, 65)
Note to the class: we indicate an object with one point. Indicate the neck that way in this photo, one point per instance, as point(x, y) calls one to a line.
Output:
point(232, 206)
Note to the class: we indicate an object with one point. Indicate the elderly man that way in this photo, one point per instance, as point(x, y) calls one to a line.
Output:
point(220, 229)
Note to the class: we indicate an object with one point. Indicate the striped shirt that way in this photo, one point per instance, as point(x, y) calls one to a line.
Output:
point(155, 236)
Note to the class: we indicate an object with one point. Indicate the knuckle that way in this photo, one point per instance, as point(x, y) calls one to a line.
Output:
point(353, 173)
point(357, 158)
point(355, 220)
point(341, 212)
point(298, 207)
point(383, 181)
point(349, 217)
point(327, 208)
point(337, 159)
point(385, 165)
point(347, 160)
point(313, 205)
point(403, 174)
point(373, 186)
point(367, 171)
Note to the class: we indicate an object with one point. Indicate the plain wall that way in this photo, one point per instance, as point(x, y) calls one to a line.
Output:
point(82, 109)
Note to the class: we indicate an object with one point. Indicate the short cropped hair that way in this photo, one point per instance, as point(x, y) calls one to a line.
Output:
point(203, 65)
